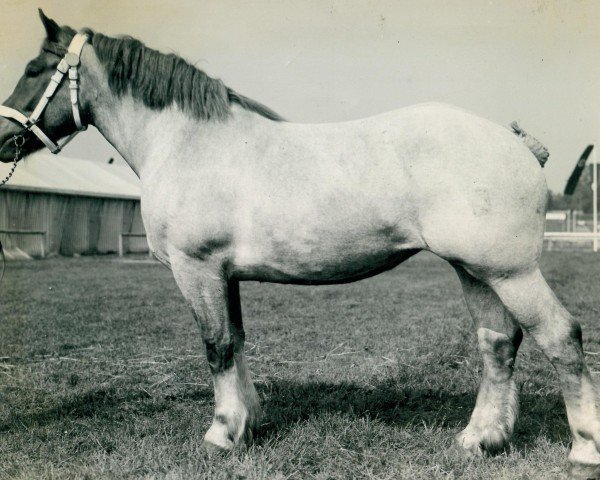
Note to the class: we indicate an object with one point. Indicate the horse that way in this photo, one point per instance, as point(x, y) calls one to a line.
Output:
point(232, 192)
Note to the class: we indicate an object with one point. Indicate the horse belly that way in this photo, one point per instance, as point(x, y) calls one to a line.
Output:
point(337, 260)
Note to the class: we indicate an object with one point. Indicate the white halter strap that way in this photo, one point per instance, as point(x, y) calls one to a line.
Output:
point(69, 63)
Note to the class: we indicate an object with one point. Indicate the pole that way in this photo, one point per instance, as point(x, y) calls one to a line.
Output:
point(595, 196)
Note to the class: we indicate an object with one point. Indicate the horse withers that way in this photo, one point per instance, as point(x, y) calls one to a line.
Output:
point(231, 192)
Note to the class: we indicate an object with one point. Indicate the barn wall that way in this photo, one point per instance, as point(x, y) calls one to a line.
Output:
point(74, 224)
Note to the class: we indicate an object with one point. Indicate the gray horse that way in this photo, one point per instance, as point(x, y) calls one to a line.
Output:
point(230, 192)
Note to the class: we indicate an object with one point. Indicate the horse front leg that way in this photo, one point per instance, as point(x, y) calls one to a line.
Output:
point(215, 302)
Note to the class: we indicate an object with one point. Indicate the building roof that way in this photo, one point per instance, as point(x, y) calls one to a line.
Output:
point(43, 172)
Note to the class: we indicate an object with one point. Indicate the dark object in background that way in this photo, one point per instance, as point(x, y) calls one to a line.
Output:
point(578, 170)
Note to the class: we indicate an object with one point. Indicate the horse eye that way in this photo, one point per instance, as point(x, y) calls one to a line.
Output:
point(32, 70)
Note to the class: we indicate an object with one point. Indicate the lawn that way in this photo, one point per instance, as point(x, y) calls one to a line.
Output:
point(102, 375)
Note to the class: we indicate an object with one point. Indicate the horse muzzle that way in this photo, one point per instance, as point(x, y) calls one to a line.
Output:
point(27, 143)
point(7, 146)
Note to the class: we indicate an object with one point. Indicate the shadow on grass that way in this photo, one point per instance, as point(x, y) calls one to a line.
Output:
point(110, 405)
point(288, 402)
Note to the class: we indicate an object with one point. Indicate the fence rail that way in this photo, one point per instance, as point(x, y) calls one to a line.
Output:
point(549, 236)
point(41, 233)
point(572, 237)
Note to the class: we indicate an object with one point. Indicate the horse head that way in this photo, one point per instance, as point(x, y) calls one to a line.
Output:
point(56, 119)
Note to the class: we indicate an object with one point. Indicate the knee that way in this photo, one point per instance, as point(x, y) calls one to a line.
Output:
point(219, 356)
point(563, 346)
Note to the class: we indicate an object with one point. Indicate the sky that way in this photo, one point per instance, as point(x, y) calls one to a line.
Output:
point(535, 61)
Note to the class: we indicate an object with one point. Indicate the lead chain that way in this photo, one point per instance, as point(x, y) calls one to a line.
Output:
point(18, 140)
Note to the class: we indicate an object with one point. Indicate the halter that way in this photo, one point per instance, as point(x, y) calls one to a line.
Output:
point(68, 63)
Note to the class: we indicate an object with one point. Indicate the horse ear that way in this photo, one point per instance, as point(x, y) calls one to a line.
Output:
point(52, 28)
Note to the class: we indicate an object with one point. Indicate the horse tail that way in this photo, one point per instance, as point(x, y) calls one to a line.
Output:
point(536, 147)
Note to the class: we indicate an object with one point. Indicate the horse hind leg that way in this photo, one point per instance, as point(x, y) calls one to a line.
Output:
point(531, 302)
point(496, 409)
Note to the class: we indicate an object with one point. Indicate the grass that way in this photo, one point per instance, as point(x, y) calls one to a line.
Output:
point(102, 375)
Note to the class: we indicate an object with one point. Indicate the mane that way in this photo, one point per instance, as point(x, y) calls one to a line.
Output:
point(160, 80)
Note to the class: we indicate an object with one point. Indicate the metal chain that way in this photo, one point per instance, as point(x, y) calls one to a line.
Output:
point(18, 140)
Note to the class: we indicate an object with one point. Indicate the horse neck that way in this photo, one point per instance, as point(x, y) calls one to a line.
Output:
point(128, 126)
point(141, 135)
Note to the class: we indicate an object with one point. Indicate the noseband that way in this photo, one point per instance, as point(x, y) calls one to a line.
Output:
point(69, 63)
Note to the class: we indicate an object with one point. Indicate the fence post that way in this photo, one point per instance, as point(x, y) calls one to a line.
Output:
point(595, 198)
point(120, 244)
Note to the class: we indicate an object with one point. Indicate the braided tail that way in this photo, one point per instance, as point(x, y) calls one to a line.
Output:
point(536, 147)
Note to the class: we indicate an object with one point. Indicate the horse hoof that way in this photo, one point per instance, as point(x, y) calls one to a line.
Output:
point(579, 471)
point(476, 443)
point(216, 450)
point(217, 441)
point(469, 444)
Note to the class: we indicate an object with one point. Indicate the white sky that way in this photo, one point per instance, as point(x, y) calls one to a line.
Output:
point(535, 61)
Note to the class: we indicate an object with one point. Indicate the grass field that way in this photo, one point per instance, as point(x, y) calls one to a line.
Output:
point(102, 375)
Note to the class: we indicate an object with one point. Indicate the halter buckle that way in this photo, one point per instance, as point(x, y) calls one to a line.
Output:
point(72, 59)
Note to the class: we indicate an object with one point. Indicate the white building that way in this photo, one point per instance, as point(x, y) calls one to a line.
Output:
point(74, 206)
